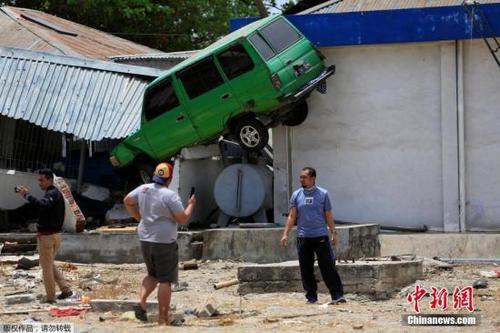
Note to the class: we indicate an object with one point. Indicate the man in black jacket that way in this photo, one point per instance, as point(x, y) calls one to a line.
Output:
point(50, 221)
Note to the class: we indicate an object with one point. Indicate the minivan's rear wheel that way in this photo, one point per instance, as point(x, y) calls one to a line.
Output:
point(297, 115)
point(251, 134)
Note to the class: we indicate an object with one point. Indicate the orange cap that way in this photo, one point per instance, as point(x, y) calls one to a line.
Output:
point(164, 170)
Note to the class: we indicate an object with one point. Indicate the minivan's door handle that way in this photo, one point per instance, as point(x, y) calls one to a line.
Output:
point(225, 96)
point(288, 62)
point(180, 118)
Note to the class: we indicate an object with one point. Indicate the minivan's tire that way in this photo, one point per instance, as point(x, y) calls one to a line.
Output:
point(251, 134)
point(145, 171)
point(297, 115)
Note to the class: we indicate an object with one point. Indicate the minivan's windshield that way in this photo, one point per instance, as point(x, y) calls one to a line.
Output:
point(280, 35)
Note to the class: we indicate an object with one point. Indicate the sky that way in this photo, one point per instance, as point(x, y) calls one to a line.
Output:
point(279, 3)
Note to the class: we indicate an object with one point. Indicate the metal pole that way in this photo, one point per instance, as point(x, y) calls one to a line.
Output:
point(80, 167)
point(461, 135)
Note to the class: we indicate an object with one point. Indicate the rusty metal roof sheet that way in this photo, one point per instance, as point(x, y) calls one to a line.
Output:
point(88, 98)
point(170, 55)
point(336, 6)
point(35, 30)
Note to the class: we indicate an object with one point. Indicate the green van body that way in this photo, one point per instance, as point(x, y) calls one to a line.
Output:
point(260, 71)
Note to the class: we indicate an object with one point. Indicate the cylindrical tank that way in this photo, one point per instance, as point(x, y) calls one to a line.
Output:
point(242, 189)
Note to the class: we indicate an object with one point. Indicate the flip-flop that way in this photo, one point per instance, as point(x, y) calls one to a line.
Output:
point(140, 314)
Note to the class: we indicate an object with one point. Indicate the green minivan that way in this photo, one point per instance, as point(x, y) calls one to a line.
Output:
point(252, 79)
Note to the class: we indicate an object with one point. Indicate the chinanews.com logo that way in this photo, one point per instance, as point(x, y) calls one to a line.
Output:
point(461, 300)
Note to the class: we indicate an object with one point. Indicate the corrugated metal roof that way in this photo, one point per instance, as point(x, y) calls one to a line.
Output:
point(39, 31)
point(169, 55)
point(88, 98)
point(344, 6)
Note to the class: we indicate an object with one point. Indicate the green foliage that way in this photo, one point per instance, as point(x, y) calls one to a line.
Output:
point(167, 25)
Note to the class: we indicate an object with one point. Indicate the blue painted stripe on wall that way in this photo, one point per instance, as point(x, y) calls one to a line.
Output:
point(389, 26)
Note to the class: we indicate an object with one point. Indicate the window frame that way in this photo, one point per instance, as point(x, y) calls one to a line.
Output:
point(287, 23)
point(167, 80)
point(217, 56)
point(180, 72)
point(258, 32)
point(257, 49)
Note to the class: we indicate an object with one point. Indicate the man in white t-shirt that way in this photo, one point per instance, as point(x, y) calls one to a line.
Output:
point(158, 209)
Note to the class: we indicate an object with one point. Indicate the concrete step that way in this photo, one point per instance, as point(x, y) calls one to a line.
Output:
point(263, 245)
point(376, 279)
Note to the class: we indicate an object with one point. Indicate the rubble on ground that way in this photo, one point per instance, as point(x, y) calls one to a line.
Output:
point(104, 295)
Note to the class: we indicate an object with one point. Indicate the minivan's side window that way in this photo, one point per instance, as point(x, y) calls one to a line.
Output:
point(200, 77)
point(280, 34)
point(260, 44)
point(235, 61)
point(160, 99)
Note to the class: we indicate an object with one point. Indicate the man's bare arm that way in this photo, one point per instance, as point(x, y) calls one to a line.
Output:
point(331, 225)
point(183, 216)
point(132, 207)
point(290, 222)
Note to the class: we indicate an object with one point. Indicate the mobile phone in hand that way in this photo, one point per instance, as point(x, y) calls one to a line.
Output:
point(191, 193)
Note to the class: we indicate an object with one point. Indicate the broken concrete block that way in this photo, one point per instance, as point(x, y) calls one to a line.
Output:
point(480, 284)
point(176, 319)
point(205, 311)
point(19, 299)
point(25, 263)
point(180, 287)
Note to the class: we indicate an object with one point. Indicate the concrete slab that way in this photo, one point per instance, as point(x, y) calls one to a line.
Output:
point(250, 245)
point(263, 245)
point(114, 248)
point(17, 237)
point(445, 245)
point(376, 279)
point(19, 299)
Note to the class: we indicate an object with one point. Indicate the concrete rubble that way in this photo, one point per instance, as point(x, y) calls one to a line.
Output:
point(232, 293)
point(19, 299)
point(196, 304)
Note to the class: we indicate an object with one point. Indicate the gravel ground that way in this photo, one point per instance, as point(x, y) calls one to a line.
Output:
point(275, 312)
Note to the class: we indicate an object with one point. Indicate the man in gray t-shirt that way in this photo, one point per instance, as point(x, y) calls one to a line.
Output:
point(158, 209)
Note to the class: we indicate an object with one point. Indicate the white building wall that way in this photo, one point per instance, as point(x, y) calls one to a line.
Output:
point(384, 139)
point(482, 137)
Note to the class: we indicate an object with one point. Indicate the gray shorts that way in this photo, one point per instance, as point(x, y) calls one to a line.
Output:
point(161, 260)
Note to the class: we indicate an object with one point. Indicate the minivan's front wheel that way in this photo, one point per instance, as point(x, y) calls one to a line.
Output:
point(297, 115)
point(251, 134)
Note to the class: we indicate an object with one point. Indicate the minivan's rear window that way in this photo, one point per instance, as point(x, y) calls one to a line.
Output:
point(265, 50)
point(200, 78)
point(280, 34)
point(160, 99)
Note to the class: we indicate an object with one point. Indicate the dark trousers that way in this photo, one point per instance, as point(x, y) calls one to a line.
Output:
point(320, 246)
